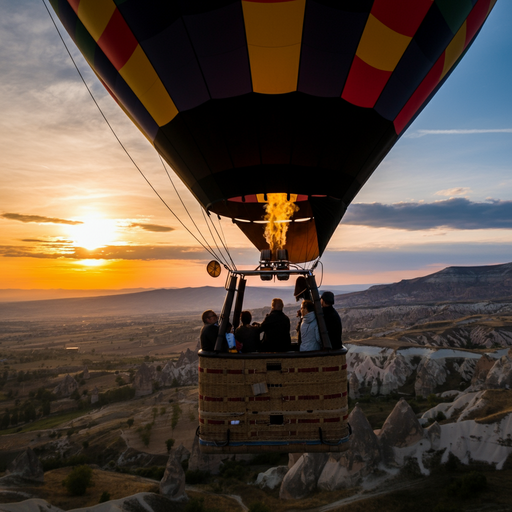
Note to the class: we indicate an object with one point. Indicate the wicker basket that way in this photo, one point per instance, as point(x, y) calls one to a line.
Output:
point(288, 402)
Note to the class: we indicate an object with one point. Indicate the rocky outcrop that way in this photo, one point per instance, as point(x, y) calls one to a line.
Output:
point(187, 357)
point(302, 478)
point(172, 484)
point(401, 429)
point(132, 458)
point(204, 461)
point(95, 395)
point(143, 380)
point(431, 373)
point(484, 364)
point(384, 370)
point(182, 373)
point(66, 387)
point(181, 453)
point(27, 466)
point(271, 478)
point(500, 375)
point(362, 457)
point(449, 284)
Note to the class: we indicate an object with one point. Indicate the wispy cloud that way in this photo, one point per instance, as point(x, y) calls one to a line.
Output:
point(455, 213)
point(39, 219)
point(151, 227)
point(111, 252)
point(452, 192)
point(422, 133)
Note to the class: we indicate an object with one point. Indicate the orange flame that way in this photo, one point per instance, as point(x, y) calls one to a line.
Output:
point(279, 210)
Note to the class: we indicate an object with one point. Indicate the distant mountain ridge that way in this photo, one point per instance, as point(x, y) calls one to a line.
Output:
point(450, 284)
point(490, 282)
point(161, 301)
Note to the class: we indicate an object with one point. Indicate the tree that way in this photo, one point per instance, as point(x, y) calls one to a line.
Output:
point(46, 407)
point(6, 418)
point(14, 417)
point(130, 422)
point(169, 443)
point(29, 413)
point(78, 480)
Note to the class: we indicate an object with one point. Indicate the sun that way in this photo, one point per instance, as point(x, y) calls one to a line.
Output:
point(93, 233)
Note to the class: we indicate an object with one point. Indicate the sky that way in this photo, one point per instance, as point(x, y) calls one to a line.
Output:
point(75, 213)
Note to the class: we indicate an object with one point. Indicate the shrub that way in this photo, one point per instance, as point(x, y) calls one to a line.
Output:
point(258, 507)
point(266, 458)
point(169, 444)
point(440, 416)
point(105, 496)
point(153, 472)
point(196, 476)
point(78, 480)
point(233, 469)
point(467, 486)
point(195, 505)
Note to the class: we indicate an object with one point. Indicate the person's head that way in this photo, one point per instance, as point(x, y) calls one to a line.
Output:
point(246, 317)
point(209, 317)
point(277, 304)
point(307, 306)
point(327, 299)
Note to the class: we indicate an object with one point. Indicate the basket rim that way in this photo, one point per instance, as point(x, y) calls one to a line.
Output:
point(274, 355)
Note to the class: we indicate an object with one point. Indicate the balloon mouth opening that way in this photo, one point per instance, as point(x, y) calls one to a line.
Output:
point(263, 198)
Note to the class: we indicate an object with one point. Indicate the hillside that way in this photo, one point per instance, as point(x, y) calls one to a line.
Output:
point(162, 301)
point(451, 284)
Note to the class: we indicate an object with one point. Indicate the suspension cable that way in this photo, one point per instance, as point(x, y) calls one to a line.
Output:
point(208, 249)
point(219, 257)
point(223, 240)
point(206, 218)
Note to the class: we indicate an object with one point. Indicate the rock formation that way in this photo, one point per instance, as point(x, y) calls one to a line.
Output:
point(431, 373)
point(500, 375)
point(362, 457)
point(181, 453)
point(143, 381)
point(271, 478)
point(66, 387)
point(184, 372)
point(27, 466)
point(172, 484)
point(95, 395)
point(484, 364)
point(302, 478)
point(401, 429)
point(204, 461)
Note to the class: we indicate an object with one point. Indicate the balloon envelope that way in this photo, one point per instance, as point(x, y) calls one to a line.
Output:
point(246, 98)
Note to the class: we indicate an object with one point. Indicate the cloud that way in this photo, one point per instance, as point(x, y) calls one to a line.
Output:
point(111, 252)
point(151, 227)
point(422, 133)
point(415, 257)
point(450, 192)
point(455, 213)
point(39, 219)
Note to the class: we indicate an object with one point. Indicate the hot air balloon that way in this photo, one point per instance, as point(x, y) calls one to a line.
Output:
point(249, 100)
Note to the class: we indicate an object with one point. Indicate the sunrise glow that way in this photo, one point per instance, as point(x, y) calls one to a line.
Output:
point(93, 233)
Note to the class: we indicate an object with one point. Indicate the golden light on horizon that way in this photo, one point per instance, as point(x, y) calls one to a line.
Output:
point(93, 233)
point(92, 263)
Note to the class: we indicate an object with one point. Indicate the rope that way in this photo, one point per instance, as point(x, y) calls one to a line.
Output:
point(186, 209)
